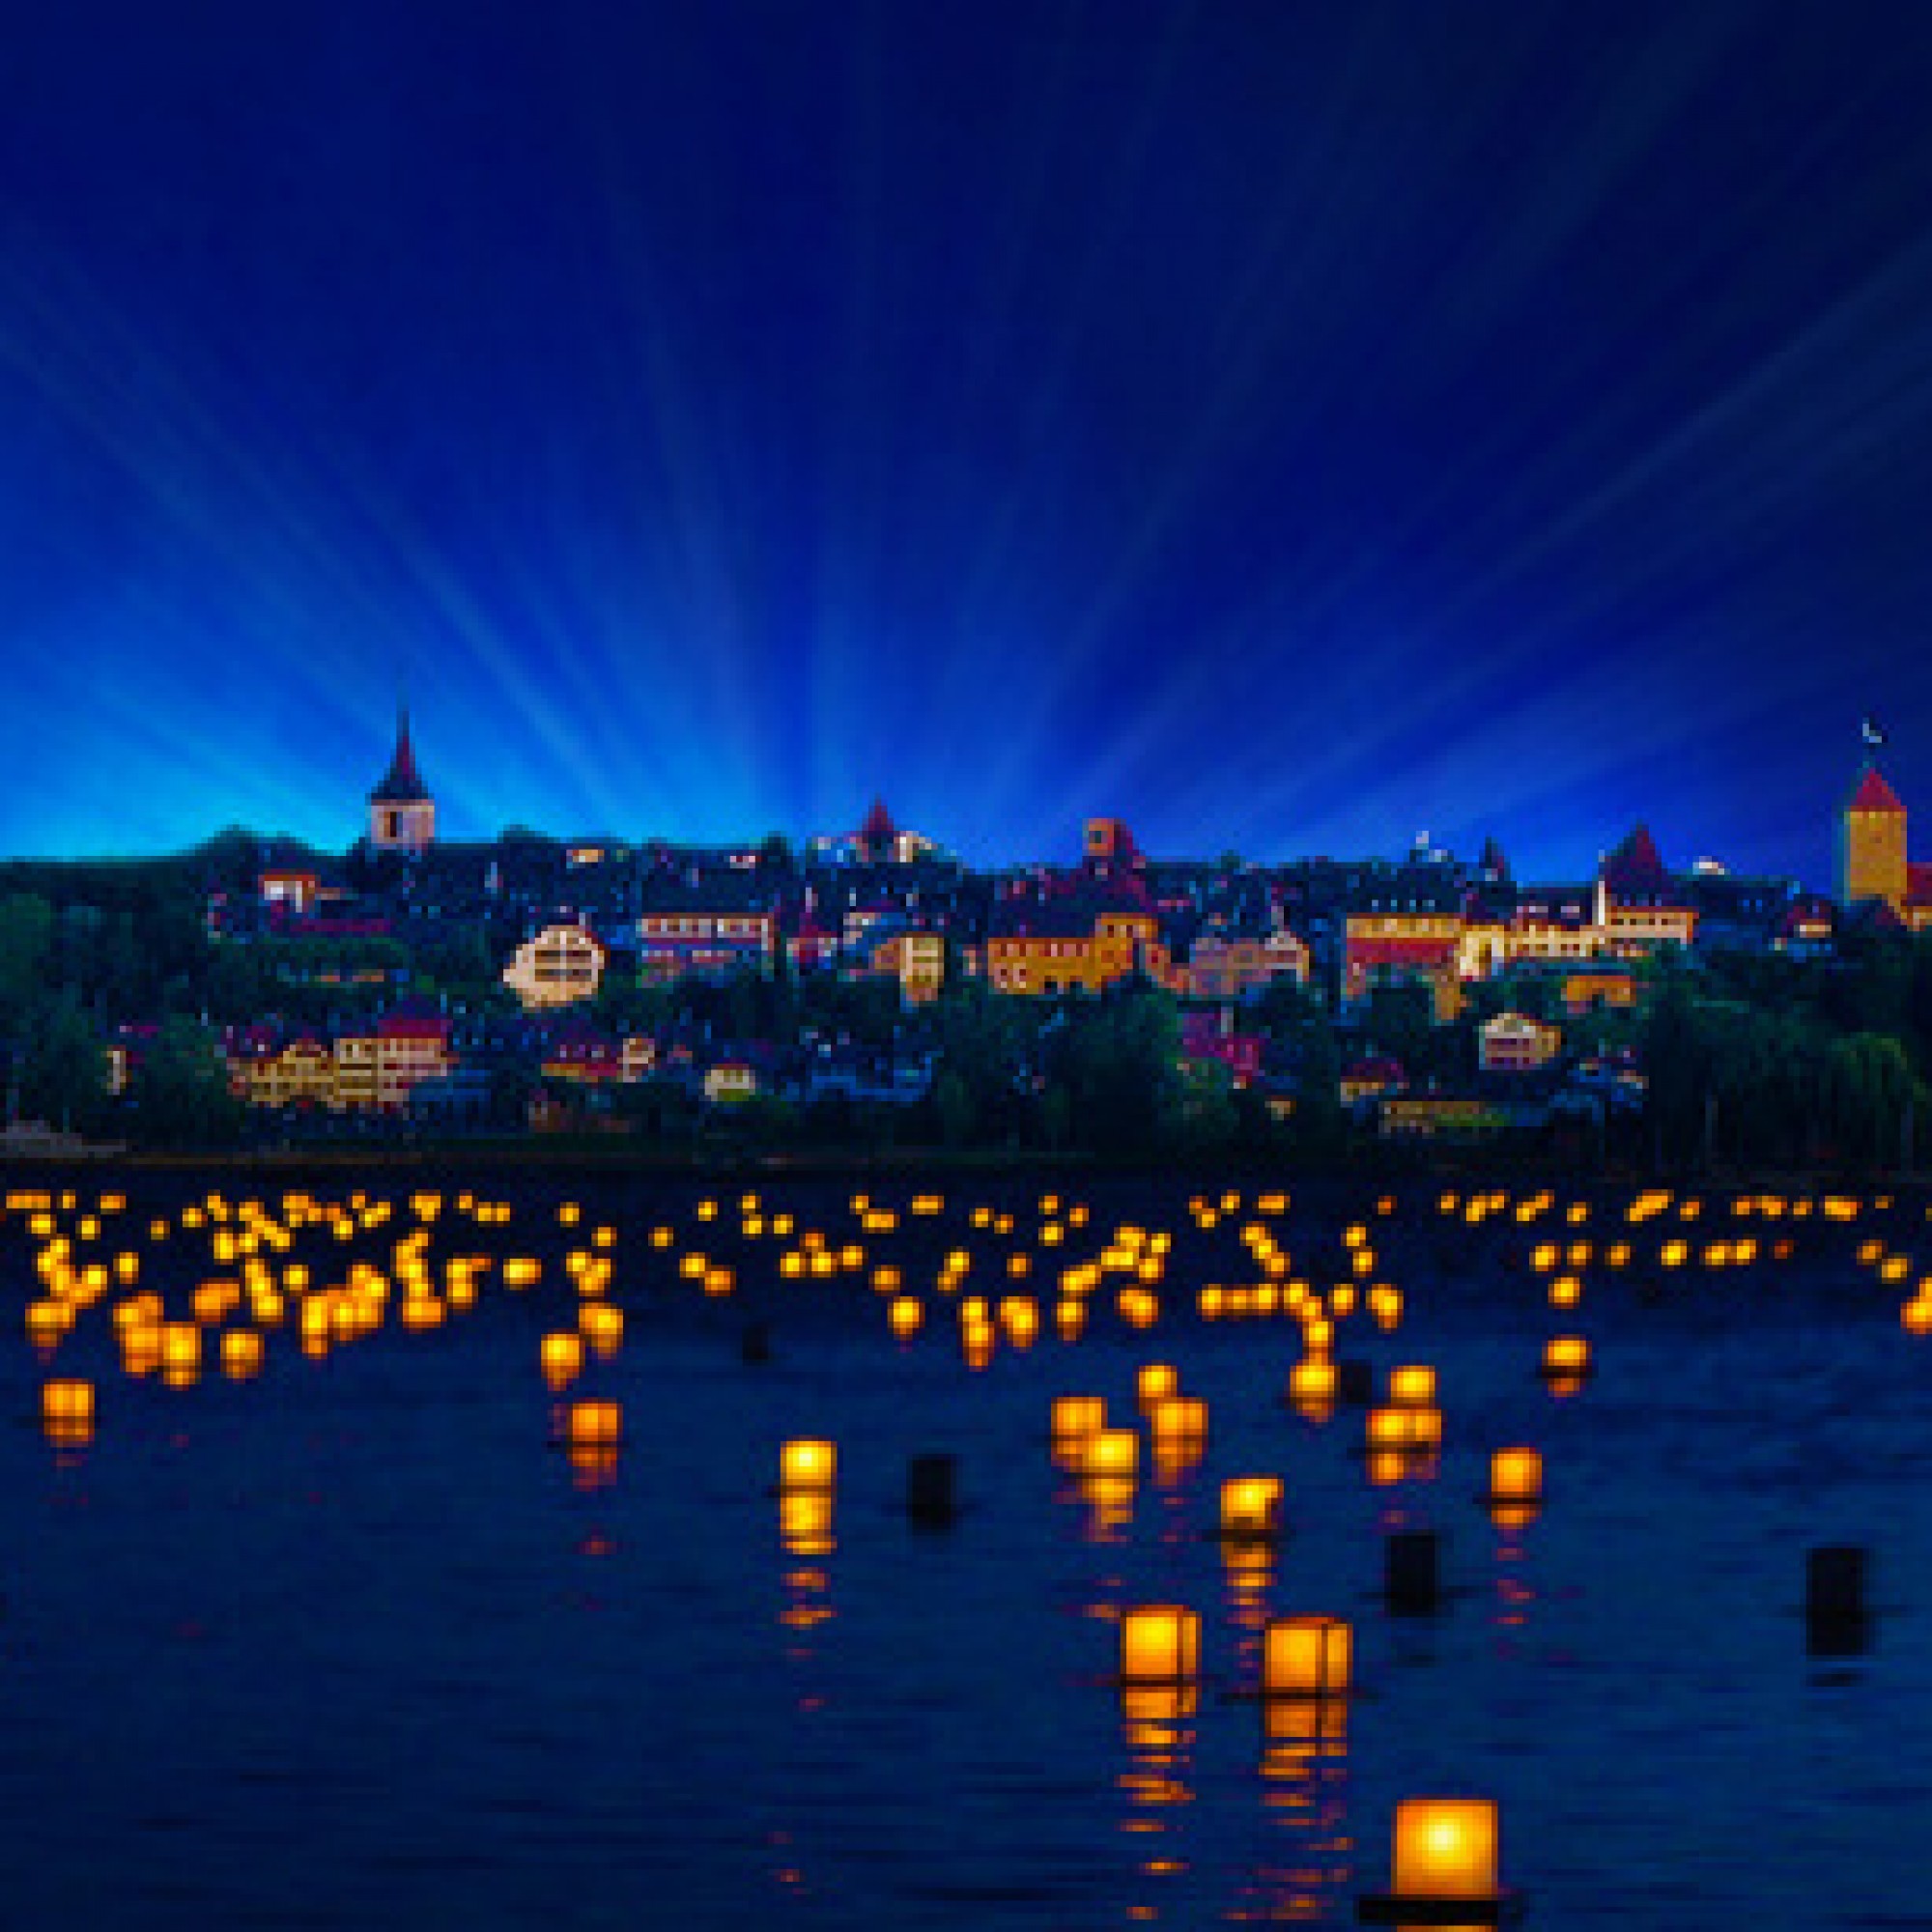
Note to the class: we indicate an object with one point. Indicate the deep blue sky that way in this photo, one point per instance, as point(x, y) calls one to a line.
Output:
point(1287, 427)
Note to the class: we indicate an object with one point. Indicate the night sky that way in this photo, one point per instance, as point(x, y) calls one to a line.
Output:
point(1286, 427)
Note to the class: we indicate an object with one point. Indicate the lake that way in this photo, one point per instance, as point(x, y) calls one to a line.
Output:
point(356, 1640)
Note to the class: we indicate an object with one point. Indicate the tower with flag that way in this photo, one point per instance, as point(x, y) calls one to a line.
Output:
point(1873, 868)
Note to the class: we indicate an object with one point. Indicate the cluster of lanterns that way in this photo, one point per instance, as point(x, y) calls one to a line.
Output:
point(1003, 1280)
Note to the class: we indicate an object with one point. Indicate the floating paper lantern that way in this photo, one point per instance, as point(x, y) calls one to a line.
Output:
point(1251, 1506)
point(1413, 1388)
point(1019, 1317)
point(241, 1355)
point(181, 1350)
point(603, 1327)
point(1111, 1453)
point(904, 1316)
point(47, 1321)
point(1312, 1386)
point(809, 1463)
point(1306, 1657)
point(1075, 1420)
point(1387, 1429)
point(141, 1348)
point(1178, 1421)
point(561, 1357)
point(1160, 1643)
point(521, 1271)
point(1070, 1319)
point(1155, 1382)
point(1515, 1485)
point(66, 1410)
point(595, 1424)
point(1566, 1358)
point(1445, 1848)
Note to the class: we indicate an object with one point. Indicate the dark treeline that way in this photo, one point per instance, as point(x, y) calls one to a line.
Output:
point(1753, 1060)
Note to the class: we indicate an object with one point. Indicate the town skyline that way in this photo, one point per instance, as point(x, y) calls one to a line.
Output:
point(1872, 747)
point(1285, 429)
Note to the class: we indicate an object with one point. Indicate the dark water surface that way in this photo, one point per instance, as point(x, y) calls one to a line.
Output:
point(351, 1645)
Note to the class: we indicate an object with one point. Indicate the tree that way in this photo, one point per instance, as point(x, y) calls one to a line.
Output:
point(1868, 1088)
point(1119, 1058)
point(26, 951)
point(181, 1093)
point(63, 1072)
point(952, 1108)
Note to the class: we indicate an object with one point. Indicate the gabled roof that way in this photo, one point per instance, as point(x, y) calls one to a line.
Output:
point(1873, 794)
point(1636, 865)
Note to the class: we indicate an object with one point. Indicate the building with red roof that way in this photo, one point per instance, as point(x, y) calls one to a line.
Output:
point(1872, 865)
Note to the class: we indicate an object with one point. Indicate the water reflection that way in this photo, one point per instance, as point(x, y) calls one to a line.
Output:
point(1306, 1868)
point(1158, 1729)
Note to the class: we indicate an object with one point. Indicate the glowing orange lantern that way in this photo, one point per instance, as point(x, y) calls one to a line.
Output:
point(1306, 1657)
point(1075, 1419)
point(561, 1356)
point(809, 1464)
point(1251, 1506)
point(1155, 1382)
point(595, 1425)
point(240, 1353)
point(181, 1350)
point(67, 1411)
point(1445, 1848)
point(1111, 1453)
point(1160, 1643)
point(1413, 1388)
point(1516, 1478)
point(1566, 1357)
point(603, 1327)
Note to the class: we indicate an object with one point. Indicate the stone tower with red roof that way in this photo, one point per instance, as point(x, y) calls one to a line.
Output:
point(402, 815)
point(1871, 843)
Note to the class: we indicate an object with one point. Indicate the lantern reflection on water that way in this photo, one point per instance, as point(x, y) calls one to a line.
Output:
point(805, 1521)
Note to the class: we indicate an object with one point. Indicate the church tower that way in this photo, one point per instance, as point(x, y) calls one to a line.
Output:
point(1871, 844)
point(402, 815)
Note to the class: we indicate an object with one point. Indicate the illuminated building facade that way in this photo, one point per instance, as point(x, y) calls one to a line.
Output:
point(557, 967)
